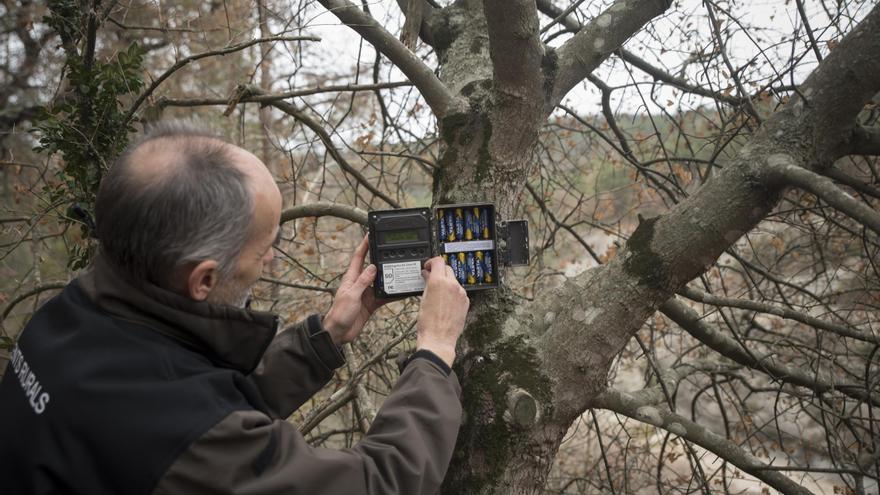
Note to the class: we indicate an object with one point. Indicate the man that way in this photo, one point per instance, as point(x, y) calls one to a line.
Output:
point(147, 374)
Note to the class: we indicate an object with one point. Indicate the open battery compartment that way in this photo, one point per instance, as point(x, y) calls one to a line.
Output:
point(466, 237)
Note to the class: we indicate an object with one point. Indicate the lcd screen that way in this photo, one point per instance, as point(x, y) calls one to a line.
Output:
point(396, 236)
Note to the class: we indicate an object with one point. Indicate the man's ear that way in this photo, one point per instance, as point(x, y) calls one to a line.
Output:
point(202, 280)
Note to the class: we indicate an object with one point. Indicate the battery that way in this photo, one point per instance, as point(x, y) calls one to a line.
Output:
point(471, 225)
point(487, 267)
point(450, 226)
point(471, 268)
point(484, 222)
point(478, 266)
point(441, 224)
point(477, 225)
point(457, 268)
point(459, 224)
point(462, 267)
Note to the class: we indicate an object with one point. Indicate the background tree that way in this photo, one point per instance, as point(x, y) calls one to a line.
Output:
point(700, 310)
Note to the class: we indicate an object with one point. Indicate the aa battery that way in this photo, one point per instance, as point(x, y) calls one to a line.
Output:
point(478, 266)
point(462, 268)
point(457, 267)
point(484, 222)
point(441, 225)
point(459, 224)
point(487, 267)
point(471, 268)
point(450, 226)
point(477, 225)
point(471, 225)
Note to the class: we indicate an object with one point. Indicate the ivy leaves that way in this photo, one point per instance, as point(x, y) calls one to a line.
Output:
point(86, 126)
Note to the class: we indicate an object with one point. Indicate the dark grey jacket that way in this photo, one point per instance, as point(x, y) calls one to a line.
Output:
point(113, 389)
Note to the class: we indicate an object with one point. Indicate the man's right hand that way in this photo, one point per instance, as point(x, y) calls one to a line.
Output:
point(444, 307)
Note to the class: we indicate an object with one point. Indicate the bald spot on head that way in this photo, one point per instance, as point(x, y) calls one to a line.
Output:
point(153, 160)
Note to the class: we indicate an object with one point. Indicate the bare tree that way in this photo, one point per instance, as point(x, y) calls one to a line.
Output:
point(700, 312)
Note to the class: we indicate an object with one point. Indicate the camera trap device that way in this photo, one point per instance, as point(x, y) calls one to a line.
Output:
point(470, 238)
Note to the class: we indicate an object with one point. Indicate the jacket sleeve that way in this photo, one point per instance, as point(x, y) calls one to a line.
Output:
point(296, 365)
point(406, 451)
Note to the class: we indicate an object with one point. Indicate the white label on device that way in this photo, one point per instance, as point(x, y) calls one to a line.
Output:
point(457, 247)
point(405, 276)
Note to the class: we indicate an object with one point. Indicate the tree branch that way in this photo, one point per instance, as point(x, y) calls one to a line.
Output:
point(188, 60)
point(412, 25)
point(426, 12)
point(294, 285)
point(515, 47)
point(547, 8)
point(782, 312)
point(678, 82)
point(365, 409)
point(693, 324)
point(429, 165)
point(568, 228)
point(331, 148)
point(252, 97)
point(346, 212)
point(863, 141)
point(629, 406)
point(838, 89)
point(583, 53)
point(852, 182)
point(435, 92)
point(571, 24)
point(32, 292)
point(823, 187)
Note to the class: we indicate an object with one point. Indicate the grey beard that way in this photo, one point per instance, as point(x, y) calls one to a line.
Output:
point(230, 295)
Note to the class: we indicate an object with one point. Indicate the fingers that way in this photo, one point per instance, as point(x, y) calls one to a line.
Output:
point(355, 267)
point(364, 280)
point(435, 265)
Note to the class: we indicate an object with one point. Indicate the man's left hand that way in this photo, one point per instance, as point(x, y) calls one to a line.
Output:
point(354, 302)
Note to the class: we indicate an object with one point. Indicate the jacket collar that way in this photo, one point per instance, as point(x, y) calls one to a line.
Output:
point(228, 336)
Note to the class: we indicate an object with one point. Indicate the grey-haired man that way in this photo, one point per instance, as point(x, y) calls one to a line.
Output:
point(147, 374)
